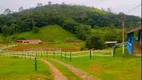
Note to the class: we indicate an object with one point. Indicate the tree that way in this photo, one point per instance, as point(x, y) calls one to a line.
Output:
point(7, 11)
point(83, 31)
point(102, 9)
point(109, 10)
point(70, 26)
point(95, 41)
point(7, 31)
point(21, 9)
point(49, 3)
point(63, 3)
point(35, 29)
point(39, 4)
point(16, 28)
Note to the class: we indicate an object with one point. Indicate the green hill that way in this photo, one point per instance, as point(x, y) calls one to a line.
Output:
point(77, 19)
point(47, 33)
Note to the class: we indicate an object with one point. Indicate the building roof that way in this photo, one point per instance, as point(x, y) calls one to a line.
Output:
point(134, 29)
point(29, 40)
point(110, 42)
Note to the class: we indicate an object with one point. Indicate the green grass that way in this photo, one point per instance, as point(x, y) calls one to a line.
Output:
point(52, 32)
point(23, 69)
point(103, 68)
point(58, 45)
point(109, 68)
point(70, 75)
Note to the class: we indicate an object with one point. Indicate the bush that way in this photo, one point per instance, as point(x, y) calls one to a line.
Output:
point(83, 46)
point(7, 31)
point(21, 38)
point(35, 29)
point(83, 31)
point(95, 41)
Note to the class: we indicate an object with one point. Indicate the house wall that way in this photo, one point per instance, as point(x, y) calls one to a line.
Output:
point(130, 42)
point(134, 45)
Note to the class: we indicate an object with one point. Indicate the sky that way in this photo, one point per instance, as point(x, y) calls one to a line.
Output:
point(116, 6)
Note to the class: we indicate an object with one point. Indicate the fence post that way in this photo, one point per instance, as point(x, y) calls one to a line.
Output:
point(113, 50)
point(53, 54)
point(70, 56)
point(90, 54)
point(65, 55)
point(41, 53)
point(37, 53)
point(35, 63)
point(47, 53)
point(61, 53)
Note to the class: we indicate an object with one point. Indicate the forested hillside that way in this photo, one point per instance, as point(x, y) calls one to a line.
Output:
point(64, 15)
point(78, 19)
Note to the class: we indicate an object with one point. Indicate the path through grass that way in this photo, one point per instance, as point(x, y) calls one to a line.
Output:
point(109, 68)
point(70, 75)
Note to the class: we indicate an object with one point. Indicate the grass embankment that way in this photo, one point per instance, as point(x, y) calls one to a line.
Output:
point(51, 33)
point(13, 68)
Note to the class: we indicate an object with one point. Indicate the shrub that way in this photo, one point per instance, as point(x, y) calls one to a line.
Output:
point(95, 41)
point(83, 46)
point(35, 29)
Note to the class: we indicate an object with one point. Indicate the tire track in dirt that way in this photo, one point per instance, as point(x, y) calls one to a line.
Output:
point(83, 75)
point(56, 73)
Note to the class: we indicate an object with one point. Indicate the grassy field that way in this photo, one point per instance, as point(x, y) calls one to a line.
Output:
point(52, 33)
point(23, 69)
point(103, 68)
point(109, 68)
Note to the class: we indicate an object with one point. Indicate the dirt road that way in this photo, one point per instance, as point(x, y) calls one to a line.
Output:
point(83, 75)
point(56, 73)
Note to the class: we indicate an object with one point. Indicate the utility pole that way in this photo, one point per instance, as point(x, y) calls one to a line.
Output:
point(123, 35)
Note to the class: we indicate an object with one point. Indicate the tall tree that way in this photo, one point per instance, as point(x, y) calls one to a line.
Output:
point(39, 4)
point(109, 10)
point(63, 3)
point(7, 11)
point(7, 30)
point(21, 9)
point(49, 3)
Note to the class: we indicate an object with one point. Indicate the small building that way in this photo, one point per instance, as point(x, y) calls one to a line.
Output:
point(29, 41)
point(134, 45)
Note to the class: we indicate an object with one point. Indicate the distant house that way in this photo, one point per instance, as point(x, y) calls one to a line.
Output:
point(134, 46)
point(29, 41)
